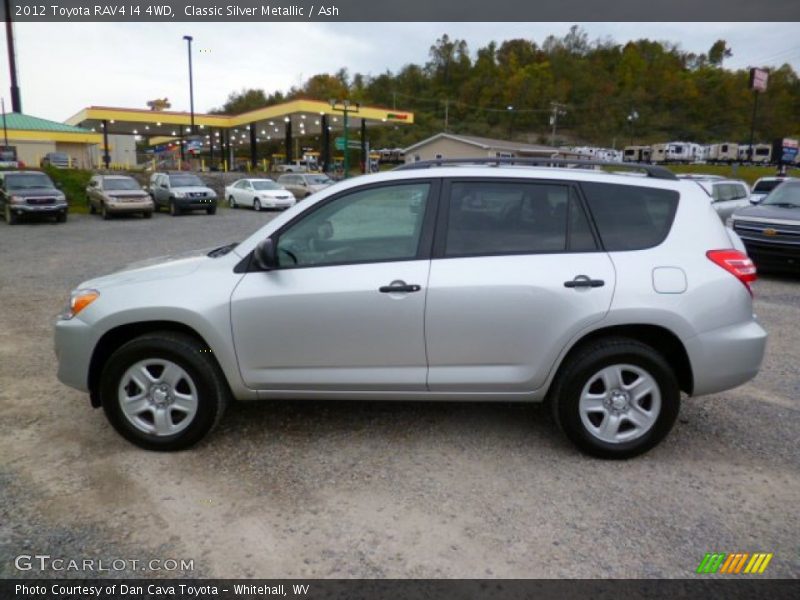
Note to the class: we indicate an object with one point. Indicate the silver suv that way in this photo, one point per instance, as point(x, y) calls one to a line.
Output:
point(604, 295)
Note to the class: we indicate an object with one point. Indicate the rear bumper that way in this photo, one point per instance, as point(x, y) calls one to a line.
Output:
point(725, 358)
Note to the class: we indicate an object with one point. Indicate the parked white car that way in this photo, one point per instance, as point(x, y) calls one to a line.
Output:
point(764, 186)
point(258, 194)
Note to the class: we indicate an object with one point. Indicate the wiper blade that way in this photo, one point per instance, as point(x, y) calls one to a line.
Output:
point(222, 250)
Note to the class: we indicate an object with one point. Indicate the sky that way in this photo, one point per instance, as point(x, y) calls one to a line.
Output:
point(64, 67)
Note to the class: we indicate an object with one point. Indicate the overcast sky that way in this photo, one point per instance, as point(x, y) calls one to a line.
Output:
point(64, 67)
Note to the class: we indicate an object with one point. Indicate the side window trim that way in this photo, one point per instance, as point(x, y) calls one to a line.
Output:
point(426, 234)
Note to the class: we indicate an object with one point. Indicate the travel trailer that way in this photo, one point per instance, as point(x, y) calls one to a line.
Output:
point(636, 154)
point(725, 152)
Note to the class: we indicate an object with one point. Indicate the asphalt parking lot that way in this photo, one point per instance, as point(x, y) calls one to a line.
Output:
point(372, 490)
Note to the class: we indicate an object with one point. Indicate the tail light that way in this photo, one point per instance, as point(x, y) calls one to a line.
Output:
point(736, 263)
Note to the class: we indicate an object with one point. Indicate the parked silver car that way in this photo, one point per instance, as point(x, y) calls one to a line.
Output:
point(726, 195)
point(604, 295)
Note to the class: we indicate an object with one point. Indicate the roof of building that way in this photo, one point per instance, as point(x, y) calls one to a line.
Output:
point(489, 144)
point(23, 122)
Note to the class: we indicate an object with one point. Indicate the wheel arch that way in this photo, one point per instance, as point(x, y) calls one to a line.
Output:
point(657, 337)
point(116, 337)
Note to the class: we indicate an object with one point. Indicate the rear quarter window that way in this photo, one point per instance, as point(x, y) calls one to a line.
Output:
point(630, 217)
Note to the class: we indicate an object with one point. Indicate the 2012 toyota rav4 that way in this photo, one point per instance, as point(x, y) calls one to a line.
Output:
point(604, 295)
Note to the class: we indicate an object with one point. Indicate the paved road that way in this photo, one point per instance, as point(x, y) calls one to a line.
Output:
point(345, 489)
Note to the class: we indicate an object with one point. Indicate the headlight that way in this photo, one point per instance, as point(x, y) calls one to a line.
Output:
point(17, 200)
point(179, 194)
point(79, 299)
point(61, 198)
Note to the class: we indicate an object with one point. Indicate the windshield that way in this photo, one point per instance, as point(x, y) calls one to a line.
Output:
point(786, 195)
point(762, 187)
point(120, 183)
point(319, 179)
point(185, 181)
point(28, 181)
point(266, 185)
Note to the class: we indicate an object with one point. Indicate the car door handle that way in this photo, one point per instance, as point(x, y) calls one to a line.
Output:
point(399, 287)
point(582, 281)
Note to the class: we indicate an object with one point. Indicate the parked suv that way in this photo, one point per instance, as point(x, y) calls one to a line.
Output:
point(604, 295)
point(726, 195)
point(302, 185)
point(117, 194)
point(30, 193)
point(181, 192)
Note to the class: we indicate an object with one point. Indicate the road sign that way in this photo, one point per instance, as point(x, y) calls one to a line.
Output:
point(352, 144)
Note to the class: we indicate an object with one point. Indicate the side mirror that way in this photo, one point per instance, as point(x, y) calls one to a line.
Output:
point(266, 255)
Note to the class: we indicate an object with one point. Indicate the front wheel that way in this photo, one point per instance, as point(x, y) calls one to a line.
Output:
point(163, 391)
point(11, 218)
point(256, 204)
point(211, 210)
point(173, 210)
point(616, 398)
point(232, 202)
point(61, 217)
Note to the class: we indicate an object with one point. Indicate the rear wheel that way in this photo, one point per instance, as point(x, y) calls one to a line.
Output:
point(162, 391)
point(616, 398)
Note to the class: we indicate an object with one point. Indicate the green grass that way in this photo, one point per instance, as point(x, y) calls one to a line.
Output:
point(73, 183)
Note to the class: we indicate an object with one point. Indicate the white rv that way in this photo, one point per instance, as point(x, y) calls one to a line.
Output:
point(762, 154)
point(636, 154)
point(725, 152)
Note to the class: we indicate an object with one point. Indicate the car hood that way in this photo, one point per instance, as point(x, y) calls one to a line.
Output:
point(162, 267)
point(43, 191)
point(768, 212)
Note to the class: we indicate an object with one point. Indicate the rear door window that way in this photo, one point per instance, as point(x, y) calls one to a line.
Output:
point(630, 217)
point(514, 217)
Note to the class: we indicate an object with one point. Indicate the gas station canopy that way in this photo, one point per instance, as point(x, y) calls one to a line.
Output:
point(278, 122)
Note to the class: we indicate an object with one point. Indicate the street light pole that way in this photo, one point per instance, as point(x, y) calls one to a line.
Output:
point(189, 39)
point(510, 109)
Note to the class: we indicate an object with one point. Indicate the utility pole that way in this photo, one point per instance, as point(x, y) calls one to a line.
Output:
point(557, 109)
point(16, 100)
point(510, 110)
point(189, 39)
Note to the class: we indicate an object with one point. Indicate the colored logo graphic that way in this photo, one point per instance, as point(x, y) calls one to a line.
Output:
point(734, 564)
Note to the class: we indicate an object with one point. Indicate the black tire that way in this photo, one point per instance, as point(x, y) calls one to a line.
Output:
point(148, 214)
point(191, 356)
point(61, 217)
point(257, 205)
point(10, 217)
point(173, 210)
point(104, 212)
point(232, 202)
point(92, 208)
point(211, 210)
point(579, 372)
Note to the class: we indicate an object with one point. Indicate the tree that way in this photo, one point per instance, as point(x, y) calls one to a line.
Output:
point(242, 101)
point(719, 52)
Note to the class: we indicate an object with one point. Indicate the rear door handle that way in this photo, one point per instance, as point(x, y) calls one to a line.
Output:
point(582, 281)
point(399, 287)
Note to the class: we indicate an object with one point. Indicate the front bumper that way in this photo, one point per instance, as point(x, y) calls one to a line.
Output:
point(195, 203)
point(278, 202)
point(38, 209)
point(727, 357)
point(771, 256)
point(74, 343)
point(124, 207)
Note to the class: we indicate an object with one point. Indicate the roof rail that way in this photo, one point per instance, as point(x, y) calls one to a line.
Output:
point(654, 171)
